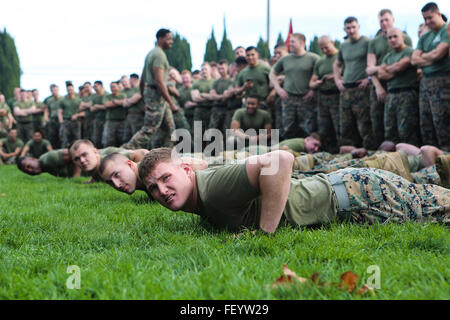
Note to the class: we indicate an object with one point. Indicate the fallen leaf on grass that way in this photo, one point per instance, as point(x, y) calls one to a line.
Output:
point(349, 281)
point(288, 277)
point(2, 194)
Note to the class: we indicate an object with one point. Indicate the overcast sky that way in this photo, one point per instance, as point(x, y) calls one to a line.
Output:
point(101, 40)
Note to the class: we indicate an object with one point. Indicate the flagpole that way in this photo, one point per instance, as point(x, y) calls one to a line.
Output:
point(268, 23)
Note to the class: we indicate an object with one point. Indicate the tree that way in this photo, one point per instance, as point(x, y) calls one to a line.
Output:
point(263, 49)
point(280, 39)
point(179, 55)
point(211, 52)
point(226, 48)
point(314, 46)
point(9, 65)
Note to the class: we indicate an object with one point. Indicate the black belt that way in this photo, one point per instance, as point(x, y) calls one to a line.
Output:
point(25, 122)
point(329, 92)
point(398, 90)
point(351, 85)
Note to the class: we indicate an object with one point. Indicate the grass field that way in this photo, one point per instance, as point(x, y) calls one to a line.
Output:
point(128, 248)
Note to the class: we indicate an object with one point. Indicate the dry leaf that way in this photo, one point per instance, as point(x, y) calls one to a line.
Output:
point(288, 277)
point(349, 281)
point(364, 289)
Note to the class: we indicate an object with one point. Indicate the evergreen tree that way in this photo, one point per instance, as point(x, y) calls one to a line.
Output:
point(226, 48)
point(179, 55)
point(314, 46)
point(280, 39)
point(211, 52)
point(263, 49)
point(9, 65)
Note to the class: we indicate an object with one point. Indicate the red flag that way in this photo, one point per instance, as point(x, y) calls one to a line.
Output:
point(289, 35)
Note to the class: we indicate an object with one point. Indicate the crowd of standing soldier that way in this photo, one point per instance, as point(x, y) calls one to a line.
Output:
point(367, 91)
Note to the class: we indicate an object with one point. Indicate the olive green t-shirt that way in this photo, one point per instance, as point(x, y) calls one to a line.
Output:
point(380, 46)
point(260, 77)
point(353, 55)
point(139, 106)
point(226, 199)
point(69, 106)
point(185, 96)
point(255, 121)
point(100, 100)
point(53, 163)
point(155, 59)
point(3, 119)
point(324, 67)
point(428, 42)
point(9, 146)
point(116, 113)
point(298, 71)
point(38, 149)
point(23, 105)
point(204, 86)
point(295, 144)
point(220, 86)
point(52, 106)
point(88, 115)
point(235, 102)
point(408, 78)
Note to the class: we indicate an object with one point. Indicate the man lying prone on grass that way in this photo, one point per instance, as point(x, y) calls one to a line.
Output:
point(260, 193)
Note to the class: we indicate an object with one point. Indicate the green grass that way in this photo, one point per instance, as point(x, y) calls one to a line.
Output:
point(128, 248)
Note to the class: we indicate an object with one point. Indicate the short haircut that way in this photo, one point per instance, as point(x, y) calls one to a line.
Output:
point(213, 64)
point(253, 96)
point(99, 82)
point(300, 36)
point(53, 86)
point(110, 158)
point(384, 11)
point(162, 33)
point(239, 47)
point(430, 6)
point(350, 20)
point(78, 143)
point(387, 146)
point(37, 131)
point(186, 72)
point(251, 48)
point(316, 135)
point(196, 72)
point(151, 159)
point(240, 61)
point(20, 164)
point(87, 82)
point(280, 45)
point(134, 75)
point(222, 61)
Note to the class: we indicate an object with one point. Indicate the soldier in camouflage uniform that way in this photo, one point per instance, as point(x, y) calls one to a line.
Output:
point(200, 95)
point(354, 111)
point(98, 109)
point(86, 103)
point(401, 120)
point(432, 55)
point(70, 129)
point(378, 48)
point(328, 95)
point(185, 98)
point(299, 110)
point(115, 117)
point(50, 107)
point(158, 120)
point(6, 118)
point(135, 105)
point(38, 117)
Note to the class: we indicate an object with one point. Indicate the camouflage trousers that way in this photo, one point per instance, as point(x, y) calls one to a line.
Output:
point(217, 119)
point(434, 108)
point(53, 132)
point(395, 162)
point(278, 106)
point(134, 122)
point(379, 196)
point(328, 119)
point(10, 160)
point(97, 133)
point(428, 175)
point(69, 131)
point(158, 125)
point(180, 120)
point(401, 117)
point(354, 116)
point(377, 117)
point(299, 117)
point(113, 133)
point(88, 125)
point(25, 131)
point(203, 114)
